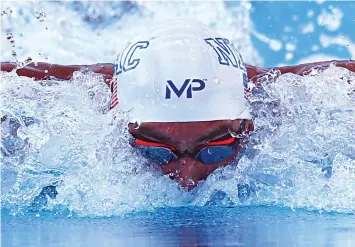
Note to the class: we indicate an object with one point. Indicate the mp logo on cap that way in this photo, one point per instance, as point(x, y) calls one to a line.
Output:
point(189, 86)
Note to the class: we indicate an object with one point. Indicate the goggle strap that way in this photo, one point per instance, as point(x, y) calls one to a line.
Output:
point(213, 143)
point(219, 143)
point(224, 142)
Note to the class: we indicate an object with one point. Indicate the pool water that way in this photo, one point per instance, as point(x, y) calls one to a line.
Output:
point(184, 226)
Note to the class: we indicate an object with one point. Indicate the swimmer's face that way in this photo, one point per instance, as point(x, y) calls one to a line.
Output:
point(186, 140)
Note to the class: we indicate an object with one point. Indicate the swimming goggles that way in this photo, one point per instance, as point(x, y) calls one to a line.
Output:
point(210, 153)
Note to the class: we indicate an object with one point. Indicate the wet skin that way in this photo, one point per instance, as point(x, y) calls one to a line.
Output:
point(186, 137)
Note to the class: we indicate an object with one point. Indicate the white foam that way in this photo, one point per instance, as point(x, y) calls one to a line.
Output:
point(307, 28)
point(332, 20)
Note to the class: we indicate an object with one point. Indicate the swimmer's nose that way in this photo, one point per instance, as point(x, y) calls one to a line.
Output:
point(187, 171)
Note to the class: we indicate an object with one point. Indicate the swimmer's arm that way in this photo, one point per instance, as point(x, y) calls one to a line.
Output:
point(46, 71)
point(302, 69)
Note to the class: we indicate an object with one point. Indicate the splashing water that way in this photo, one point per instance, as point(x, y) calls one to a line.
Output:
point(70, 142)
point(301, 155)
point(39, 27)
point(306, 141)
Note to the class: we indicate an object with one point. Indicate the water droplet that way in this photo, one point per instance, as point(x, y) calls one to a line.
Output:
point(218, 81)
point(20, 65)
point(191, 182)
point(10, 38)
point(28, 60)
point(137, 125)
point(40, 15)
point(46, 71)
point(7, 11)
point(233, 133)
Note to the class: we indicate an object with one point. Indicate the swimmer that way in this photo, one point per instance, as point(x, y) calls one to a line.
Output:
point(187, 87)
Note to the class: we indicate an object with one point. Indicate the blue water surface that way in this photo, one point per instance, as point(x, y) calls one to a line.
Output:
point(184, 226)
point(285, 20)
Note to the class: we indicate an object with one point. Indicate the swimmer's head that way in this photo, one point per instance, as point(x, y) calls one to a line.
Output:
point(181, 71)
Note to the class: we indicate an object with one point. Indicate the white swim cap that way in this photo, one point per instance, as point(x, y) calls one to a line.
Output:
point(181, 71)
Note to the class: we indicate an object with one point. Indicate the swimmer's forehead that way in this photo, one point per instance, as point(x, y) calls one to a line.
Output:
point(201, 131)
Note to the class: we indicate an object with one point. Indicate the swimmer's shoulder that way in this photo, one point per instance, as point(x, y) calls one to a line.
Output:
point(255, 72)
